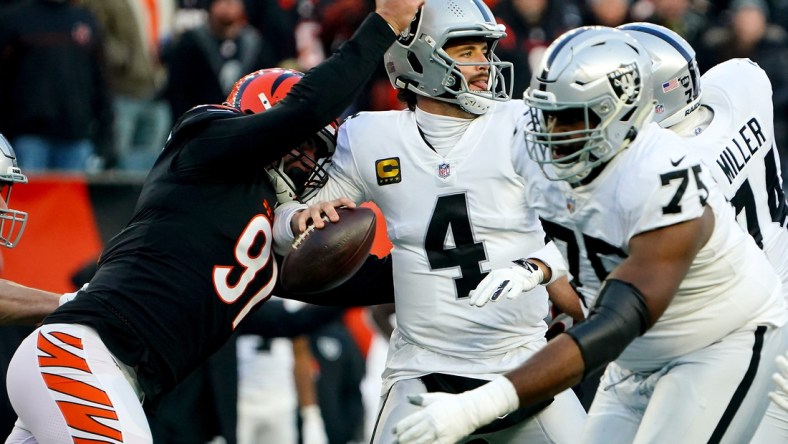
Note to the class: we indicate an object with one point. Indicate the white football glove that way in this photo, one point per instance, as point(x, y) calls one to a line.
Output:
point(509, 282)
point(780, 396)
point(313, 428)
point(447, 418)
point(67, 297)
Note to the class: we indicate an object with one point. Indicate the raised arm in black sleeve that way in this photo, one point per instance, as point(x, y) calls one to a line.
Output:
point(317, 99)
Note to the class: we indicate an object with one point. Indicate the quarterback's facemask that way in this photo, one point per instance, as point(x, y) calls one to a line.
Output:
point(676, 77)
point(589, 97)
point(418, 62)
point(300, 173)
point(12, 222)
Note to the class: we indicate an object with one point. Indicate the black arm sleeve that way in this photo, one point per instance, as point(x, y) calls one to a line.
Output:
point(373, 284)
point(273, 320)
point(317, 99)
point(618, 317)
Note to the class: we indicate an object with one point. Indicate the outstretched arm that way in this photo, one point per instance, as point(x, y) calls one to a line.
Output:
point(635, 295)
point(20, 305)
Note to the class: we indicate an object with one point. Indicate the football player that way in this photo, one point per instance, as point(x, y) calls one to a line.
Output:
point(690, 309)
point(196, 257)
point(19, 305)
point(448, 178)
point(731, 126)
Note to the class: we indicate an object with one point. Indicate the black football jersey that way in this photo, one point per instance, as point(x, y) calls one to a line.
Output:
point(197, 257)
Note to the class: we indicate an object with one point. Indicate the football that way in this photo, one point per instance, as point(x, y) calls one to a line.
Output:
point(322, 259)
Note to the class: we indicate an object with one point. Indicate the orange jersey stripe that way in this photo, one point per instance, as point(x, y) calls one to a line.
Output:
point(68, 339)
point(77, 389)
point(58, 356)
point(83, 417)
point(88, 441)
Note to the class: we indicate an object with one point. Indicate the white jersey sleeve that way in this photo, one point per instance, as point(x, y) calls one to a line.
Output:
point(345, 179)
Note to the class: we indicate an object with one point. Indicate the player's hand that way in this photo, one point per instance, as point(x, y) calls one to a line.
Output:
point(509, 282)
point(780, 396)
point(398, 13)
point(316, 212)
point(447, 418)
point(443, 420)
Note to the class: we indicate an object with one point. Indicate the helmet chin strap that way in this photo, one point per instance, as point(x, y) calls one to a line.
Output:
point(473, 103)
point(283, 185)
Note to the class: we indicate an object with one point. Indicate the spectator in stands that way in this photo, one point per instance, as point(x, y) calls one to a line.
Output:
point(342, 369)
point(607, 13)
point(55, 106)
point(276, 21)
point(746, 32)
point(133, 32)
point(205, 62)
point(281, 368)
point(531, 25)
point(681, 16)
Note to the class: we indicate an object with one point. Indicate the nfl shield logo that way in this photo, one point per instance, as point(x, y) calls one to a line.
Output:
point(570, 204)
point(444, 170)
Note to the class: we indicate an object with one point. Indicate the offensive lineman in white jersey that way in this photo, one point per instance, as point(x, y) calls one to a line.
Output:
point(691, 314)
point(733, 133)
point(732, 130)
point(448, 180)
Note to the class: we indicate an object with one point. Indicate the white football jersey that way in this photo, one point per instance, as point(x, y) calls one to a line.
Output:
point(657, 182)
point(451, 219)
point(740, 150)
point(554, 202)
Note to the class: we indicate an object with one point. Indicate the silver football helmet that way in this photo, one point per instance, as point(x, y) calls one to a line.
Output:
point(12, 222)
point(676, 75)
point(417, 61)
point(593, 76)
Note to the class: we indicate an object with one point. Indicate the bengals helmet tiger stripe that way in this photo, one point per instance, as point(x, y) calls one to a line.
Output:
point(259, 91)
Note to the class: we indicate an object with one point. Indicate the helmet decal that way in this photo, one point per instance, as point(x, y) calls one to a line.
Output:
point(590, 100)
point(261, 90)
point(625, 81)
point(676, 77)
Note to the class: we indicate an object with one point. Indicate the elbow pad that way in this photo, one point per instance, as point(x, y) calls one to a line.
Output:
point(618, 317)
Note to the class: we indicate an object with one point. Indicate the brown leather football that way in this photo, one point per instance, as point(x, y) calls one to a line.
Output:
point(322, 259)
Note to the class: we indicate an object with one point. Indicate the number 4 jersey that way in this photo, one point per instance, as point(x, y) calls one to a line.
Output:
point(451, 219)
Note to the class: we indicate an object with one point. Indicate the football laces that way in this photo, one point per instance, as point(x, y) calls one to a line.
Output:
point(309, 229)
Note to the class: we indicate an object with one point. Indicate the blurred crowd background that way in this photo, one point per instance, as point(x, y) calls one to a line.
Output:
point(93, 86)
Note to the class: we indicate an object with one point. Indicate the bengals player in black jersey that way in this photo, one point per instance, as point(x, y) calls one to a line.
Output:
point(196, 257)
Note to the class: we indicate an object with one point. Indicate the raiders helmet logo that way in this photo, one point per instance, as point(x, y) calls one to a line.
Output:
point(626, 82)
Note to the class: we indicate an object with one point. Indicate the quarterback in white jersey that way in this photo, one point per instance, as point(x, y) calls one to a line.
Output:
point(690, 311)
point(448, 177)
